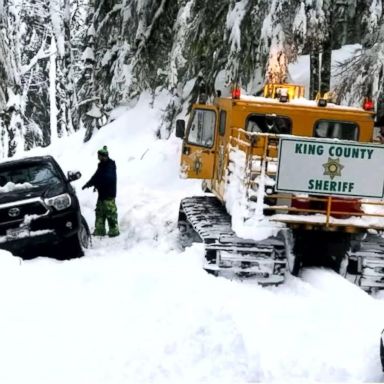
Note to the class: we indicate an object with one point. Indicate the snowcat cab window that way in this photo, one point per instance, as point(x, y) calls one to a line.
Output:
point(269, 124)
point(202, 128)
point(223, 119)
point(344, 130)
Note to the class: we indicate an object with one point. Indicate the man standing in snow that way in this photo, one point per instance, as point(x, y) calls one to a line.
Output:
point(104, 180)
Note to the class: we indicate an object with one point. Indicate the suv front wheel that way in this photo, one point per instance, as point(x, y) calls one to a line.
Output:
point(74, 246)
point(84, 234)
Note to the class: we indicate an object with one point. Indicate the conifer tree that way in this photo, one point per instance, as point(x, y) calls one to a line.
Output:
point(65, 64)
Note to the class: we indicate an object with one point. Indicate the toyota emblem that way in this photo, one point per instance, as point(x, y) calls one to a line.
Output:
point(14, 212)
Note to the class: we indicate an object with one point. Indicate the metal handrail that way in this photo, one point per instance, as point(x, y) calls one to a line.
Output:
point(250, 141)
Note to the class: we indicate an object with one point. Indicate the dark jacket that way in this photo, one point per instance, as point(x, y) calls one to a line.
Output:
point(104, 179)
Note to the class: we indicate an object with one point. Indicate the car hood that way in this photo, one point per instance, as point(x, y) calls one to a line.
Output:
point(43, 191)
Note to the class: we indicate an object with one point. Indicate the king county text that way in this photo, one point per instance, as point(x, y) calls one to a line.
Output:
point(334, 150)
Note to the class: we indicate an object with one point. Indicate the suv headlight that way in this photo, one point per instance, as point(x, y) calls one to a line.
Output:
point(59, 202)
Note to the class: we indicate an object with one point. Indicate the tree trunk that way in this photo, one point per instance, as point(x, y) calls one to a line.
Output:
point(314, 78)
point(325, 72)
point(52, 92)
point(325, 69)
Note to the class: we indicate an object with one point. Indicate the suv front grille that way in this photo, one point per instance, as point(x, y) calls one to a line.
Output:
point(15, 213)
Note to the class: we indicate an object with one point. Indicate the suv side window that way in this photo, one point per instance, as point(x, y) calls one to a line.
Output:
point(202, 128)
point(269, 124)
point(344, 130)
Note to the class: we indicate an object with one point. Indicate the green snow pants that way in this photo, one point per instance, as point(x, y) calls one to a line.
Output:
point(106, 211)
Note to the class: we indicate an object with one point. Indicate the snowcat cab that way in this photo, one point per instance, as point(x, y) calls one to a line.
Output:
point(293, 182)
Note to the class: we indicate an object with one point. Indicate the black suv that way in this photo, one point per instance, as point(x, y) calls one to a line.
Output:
point(39, 210)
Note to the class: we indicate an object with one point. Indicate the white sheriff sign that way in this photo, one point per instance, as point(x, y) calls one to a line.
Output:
point(330, 167)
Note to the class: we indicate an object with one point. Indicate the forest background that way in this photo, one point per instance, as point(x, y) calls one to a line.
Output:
point(65, 65)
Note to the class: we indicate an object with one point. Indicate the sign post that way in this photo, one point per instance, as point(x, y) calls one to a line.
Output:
point(330, 167)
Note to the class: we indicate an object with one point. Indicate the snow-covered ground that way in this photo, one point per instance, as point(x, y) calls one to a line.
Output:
point(137, 308)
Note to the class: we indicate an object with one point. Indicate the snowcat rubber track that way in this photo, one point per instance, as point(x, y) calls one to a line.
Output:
point(264, 260)
point(368, 263)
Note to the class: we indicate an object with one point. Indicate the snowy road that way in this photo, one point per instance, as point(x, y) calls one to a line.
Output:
point(148, 313)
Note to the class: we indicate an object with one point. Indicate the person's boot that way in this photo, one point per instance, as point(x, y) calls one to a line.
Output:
point(113, 232)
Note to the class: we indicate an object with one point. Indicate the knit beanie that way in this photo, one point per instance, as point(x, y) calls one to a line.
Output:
point(103, 151)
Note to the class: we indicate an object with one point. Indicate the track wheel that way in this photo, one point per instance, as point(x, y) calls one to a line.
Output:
point(294, 256)
point(294, 263)
point(187, 234)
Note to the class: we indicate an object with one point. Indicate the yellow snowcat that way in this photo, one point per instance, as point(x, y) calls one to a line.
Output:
point(288, 183)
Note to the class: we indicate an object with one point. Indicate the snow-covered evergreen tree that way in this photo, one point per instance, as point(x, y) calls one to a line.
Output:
point(65, 64)
point(13, 122)
point(277, 40)
point(61, 84)
point(363, 74)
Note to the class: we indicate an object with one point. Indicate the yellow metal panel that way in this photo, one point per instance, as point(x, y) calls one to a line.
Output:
point(197, 161)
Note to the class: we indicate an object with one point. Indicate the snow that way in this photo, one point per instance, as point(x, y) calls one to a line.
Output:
point(374, 15)
point(257, 227)
point(104, 61)
point(57, 25)
point(177, 59)
point(88, 54)
point(300, 21)
point(91, 31)
point(9, 187)
point(13, 100)
point(234, 18)
point(24, 234)
point(95, 111)
point(138, 309)
point(299, 101)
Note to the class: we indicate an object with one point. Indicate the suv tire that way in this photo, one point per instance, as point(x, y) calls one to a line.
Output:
point(74, 246)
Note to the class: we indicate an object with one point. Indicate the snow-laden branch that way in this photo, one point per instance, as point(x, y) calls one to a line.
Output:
point(233, 23)
point(115, 9)
point(41, 54)
point(148, 31)
point(90, 100)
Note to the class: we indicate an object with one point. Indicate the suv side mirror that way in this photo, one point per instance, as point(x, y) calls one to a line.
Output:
point(180, 128)
point(73, 175)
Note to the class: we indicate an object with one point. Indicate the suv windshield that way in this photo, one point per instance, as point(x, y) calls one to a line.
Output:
point(35, 174)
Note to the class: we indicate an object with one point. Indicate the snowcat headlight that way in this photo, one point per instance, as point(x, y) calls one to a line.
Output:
point(59, 202)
